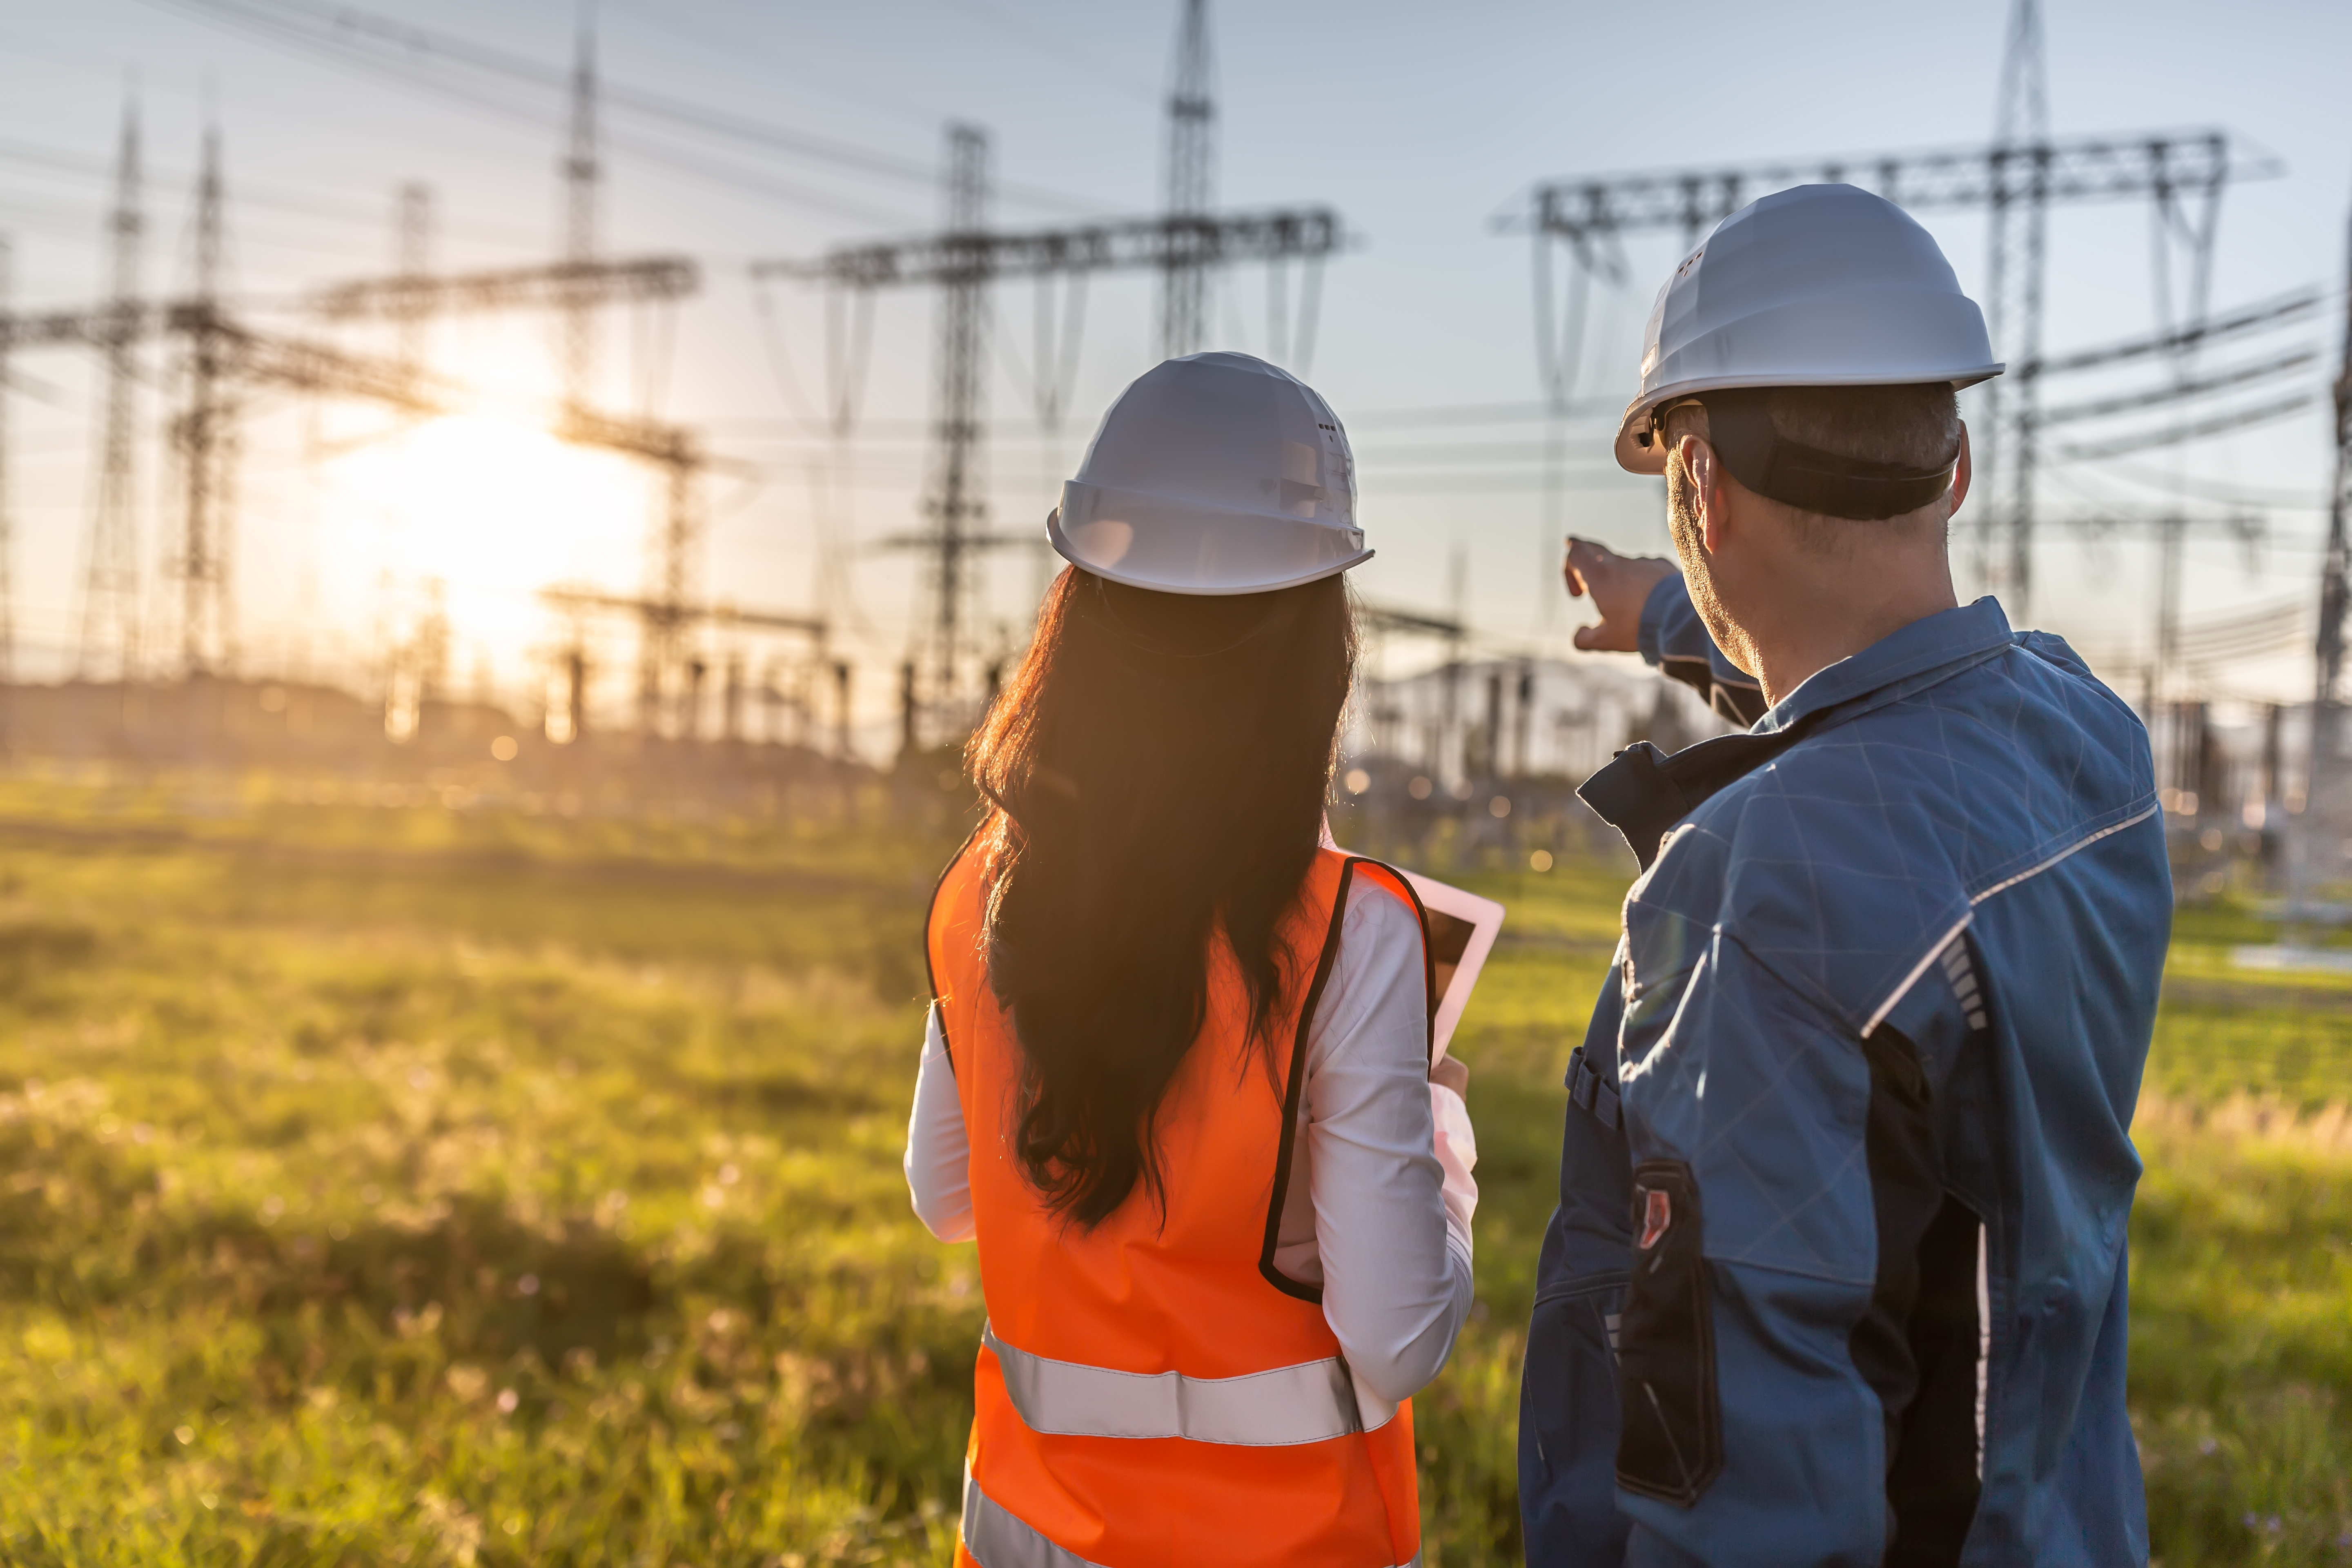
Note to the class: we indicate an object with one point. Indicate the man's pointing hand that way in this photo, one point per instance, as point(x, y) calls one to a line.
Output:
point(1619, 586)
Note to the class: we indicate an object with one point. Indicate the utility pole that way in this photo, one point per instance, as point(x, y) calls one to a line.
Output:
point(1192, 130)
point(581, 174)
point(110, 604)
point(205, 434)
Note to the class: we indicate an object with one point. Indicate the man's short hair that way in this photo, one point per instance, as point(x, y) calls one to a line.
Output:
point(1917, 425)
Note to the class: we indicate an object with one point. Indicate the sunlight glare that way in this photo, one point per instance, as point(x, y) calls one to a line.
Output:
point(494, 509)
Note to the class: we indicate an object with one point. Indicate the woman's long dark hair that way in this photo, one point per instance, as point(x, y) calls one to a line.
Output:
point(1159, 765)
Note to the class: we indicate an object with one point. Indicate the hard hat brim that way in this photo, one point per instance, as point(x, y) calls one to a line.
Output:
point(1125, 536)
point(1636, 458)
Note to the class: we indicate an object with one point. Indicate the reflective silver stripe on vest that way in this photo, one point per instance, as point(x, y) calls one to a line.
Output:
point(1312, 1401)
point(996, 1538)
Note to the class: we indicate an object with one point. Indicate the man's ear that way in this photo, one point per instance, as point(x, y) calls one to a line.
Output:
point(1708, 495)
point(1959, 475)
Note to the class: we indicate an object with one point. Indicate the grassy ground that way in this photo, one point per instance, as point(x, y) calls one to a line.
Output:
point(401, 1185)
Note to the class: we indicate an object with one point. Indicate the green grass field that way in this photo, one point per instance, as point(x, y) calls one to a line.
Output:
point(406, 1185)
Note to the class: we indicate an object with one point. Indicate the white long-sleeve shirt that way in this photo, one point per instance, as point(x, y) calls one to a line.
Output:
point(1381, 1192)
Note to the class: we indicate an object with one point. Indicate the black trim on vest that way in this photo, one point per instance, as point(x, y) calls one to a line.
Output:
point(1294, 1088)
point(1428, 957)
point(930, 913)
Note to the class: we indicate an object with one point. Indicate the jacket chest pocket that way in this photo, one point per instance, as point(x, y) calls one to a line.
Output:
point(1670, 1437)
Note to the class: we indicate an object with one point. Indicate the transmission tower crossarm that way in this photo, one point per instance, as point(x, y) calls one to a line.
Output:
point(2073, 169)
point(561, 286)
point(305, 366)
point(1114, 245)
point(671, 445)
point(99, 328)
point(308, 366)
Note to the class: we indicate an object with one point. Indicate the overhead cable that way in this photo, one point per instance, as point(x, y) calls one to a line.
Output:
point(369, 37)
point(2180, 391)
point(2180, 434)
point(2259, 316)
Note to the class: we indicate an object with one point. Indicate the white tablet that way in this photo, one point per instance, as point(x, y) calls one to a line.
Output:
point(1462, 932)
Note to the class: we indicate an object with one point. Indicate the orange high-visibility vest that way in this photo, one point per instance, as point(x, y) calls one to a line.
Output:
point(1158, 1392)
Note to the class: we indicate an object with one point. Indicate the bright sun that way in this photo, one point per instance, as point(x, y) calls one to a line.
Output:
point(491, 510)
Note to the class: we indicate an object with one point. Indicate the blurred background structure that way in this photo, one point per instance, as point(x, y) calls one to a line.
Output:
point(371, 527)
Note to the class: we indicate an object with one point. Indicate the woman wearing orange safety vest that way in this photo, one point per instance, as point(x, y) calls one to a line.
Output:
point(1176, 1078)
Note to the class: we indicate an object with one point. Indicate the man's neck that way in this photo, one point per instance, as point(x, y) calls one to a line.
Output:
point(1815, 625)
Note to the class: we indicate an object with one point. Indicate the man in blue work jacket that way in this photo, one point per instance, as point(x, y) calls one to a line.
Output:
point(1838, 1270)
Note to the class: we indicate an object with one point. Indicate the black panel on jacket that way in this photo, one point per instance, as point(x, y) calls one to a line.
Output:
point(1918, 1343)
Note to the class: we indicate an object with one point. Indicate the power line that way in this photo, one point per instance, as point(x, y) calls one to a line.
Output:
point(2194, 430)
point(2180, 391)
point(489, 99)
point(355, 35)
point(1047, 43)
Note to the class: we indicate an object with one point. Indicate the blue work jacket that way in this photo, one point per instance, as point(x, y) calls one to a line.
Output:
point(1838, 1270)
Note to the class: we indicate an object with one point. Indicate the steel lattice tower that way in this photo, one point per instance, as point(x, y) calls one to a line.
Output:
point(1191, 161)
point(110, 603)
point(953, 505)
point(205, 434)
point(2019, 203)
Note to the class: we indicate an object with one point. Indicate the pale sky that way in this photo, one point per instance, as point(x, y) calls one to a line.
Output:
point(1418, 125)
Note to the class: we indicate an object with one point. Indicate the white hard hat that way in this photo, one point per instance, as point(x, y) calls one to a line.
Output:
point(1215, 473)
point(1816, 286)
